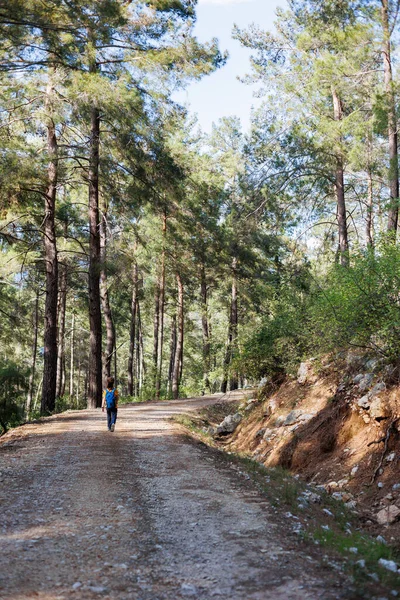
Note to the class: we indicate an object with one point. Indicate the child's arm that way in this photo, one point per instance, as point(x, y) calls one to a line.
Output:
point(116, 398)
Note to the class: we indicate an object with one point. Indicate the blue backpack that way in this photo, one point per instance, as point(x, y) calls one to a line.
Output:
point(110, 399)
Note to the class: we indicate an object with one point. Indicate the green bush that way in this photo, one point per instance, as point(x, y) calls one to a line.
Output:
point(64, 403)
point(281, 340)
point(360, 305)
point(355, 306)
point(13, 389)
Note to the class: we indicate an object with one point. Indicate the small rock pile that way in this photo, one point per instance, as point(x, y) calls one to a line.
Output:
point(227, 426)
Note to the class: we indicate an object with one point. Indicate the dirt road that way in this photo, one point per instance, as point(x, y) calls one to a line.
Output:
point(140, 513)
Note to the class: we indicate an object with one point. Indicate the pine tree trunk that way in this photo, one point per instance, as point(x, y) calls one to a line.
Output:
point(370, 204)
point(234, 323)
point(227, 360)
point(205, 327)
point(156, 331)
point(51, 262)
point(63, 377)
point(38, 393)
point(172, 354)
point(78, 383)
point(115, 362)
point(339, 187)
point(137, 365)
point(181, 351)
point(141, 348)
point(86, 387)
point(162, 308)
point(71, 363)
point(62, 305)
point(105, 300)
point(133, 334)
point(29, 398)
point(178, 359)
point(94, 375)
point(232, 334)
point(393, 213)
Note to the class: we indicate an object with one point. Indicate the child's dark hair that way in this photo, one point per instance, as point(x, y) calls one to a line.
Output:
point(110, 382)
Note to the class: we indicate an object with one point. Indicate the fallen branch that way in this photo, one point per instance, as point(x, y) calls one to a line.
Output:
point(377, 441)
point(386, 439)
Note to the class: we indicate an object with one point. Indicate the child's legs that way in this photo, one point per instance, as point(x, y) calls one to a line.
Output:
point(114, 416)
point(109, 417)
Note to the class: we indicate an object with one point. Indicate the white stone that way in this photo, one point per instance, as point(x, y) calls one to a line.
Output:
point(353, 550)
point(390, 457)
point(337, 495)
point(381, 540)
point(388, 515)
point(293, 417)
point(230, 423)
point(364, 402)
point(361, 563)
point(332, 485)
point(342, 483)
point(76, 585)
point(372, 363)
point(312, 497)
point(365, 381)
point(358, 378)
point(390, 565)
point(302, 373)
point(272, 405)
point(269, 435)
point(377, 409)
point(377, 389)
point(188, 589)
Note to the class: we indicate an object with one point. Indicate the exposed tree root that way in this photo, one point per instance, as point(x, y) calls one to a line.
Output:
point(386, 440)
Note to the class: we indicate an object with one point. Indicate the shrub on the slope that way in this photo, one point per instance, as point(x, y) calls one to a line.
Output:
point(348, 306)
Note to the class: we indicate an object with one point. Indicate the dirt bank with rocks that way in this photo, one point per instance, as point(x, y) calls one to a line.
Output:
point(338, 426)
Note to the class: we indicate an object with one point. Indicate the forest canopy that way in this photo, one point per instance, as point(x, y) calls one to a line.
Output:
point(134, 245)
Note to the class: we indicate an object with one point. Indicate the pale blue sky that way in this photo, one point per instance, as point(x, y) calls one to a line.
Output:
point(221, 94)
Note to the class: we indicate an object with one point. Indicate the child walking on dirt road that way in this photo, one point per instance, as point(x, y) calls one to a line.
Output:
point(110, 402)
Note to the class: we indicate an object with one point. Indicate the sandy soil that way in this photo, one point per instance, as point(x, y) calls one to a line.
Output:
point(141, 513)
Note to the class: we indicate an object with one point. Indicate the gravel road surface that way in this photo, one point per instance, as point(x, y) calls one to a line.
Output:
point(141, 513)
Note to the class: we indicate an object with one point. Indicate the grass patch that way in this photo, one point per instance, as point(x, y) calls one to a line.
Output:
point(369, 550)
point(210, 416)
point(215, 413)
point(196, 426)
point(277, 484)
point(131, 400)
